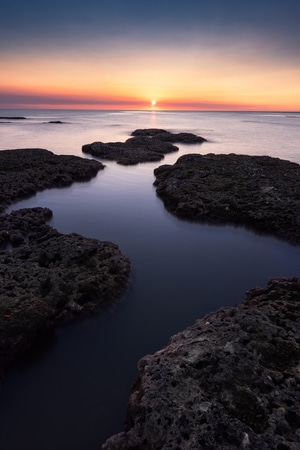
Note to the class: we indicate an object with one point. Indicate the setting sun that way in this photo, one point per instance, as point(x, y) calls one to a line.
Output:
point(153, 103)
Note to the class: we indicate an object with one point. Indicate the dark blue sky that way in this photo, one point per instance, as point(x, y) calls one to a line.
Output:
point(37, 23)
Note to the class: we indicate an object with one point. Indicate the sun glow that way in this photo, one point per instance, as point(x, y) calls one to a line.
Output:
point(153, 102)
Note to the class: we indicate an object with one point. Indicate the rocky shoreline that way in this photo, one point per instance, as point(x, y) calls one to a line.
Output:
point(46, 277)
point(259, 192)
point(231, 381)
point(50, 278)
point(23, 172)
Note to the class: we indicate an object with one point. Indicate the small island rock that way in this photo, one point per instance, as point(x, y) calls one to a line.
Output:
point(259, 192)
point(147, 145)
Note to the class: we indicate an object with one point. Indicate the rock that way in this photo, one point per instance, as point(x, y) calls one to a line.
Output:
point(23, 224)
point(23, 172)
point(12, 118)
point(259, 192)
point(230, 381)
point(52, 278)
point(55, 121)
point(163, 135)
point(145, 146)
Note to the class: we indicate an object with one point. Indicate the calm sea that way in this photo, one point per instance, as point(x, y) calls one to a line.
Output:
point(73, 395)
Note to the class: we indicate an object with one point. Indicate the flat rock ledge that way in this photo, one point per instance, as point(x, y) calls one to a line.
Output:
point(49, 278)
point(23, 172)
point(259, 192)
point(146, 145)
point(231, 381)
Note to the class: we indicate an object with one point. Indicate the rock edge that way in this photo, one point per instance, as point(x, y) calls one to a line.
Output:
point(23, 172)
point(146, 145)
point(260, 192)
point(231, 381)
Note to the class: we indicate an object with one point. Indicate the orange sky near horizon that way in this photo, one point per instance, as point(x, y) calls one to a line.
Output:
point(183, 70)
point(52, 82)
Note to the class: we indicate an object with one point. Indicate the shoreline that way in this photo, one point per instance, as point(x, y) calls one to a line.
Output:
point(231, 380)
point(47, 277)
point(134, 412)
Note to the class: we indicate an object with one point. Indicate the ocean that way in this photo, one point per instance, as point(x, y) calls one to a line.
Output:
point(73, 394)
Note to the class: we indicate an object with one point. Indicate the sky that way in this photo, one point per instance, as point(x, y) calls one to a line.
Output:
point(122, 54)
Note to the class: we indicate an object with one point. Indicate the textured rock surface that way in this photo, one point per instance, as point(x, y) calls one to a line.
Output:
point(23, 172)
point(22, 224)
point(145, 146)
point(51, 278)
point(256, 191)
point(230, 381)
point(167, 136)
point(47, 277)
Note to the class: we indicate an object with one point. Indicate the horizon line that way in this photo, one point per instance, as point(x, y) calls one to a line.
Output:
point(149, 109)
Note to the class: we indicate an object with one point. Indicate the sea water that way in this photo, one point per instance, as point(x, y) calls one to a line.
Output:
point(73, 394)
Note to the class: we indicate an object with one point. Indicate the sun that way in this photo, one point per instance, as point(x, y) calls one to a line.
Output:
point(153, 103)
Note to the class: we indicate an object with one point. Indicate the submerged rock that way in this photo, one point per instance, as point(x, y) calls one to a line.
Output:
point(145, 146)
point(230, 381)
point(51, 278)
point(260, 192)
point(23, 172)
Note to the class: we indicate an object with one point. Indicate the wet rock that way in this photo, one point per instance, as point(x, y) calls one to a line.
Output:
point(50, 278)
point(12, 118)
point(23, 224)
point(145, 146)
point(259, 192)
point(163, 135)
point(23, 172)
point(230, 381)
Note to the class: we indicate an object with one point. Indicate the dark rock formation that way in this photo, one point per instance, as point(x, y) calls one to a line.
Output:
point(145, 146)
point(55, 121)
point(166, 136)
point(47, 277)
point(23, 172)
point(12, 118)
point(51, 278)
point(260, 192)
point(231, 381)
point(20, 225)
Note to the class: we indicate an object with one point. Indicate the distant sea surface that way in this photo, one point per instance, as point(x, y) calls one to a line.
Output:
point(73, 395)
